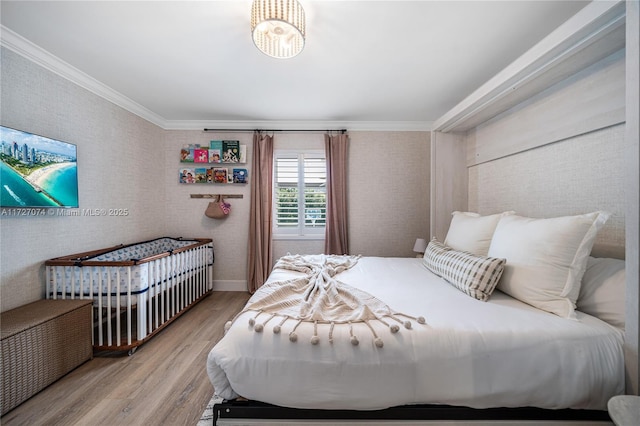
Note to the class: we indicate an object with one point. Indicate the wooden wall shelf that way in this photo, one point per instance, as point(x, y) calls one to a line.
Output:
point(217, 195)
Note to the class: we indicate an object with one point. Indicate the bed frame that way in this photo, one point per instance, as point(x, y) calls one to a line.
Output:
point(243, 412)
point(178, 273)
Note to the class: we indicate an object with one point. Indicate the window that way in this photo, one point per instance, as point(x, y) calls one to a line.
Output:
point(300, 193)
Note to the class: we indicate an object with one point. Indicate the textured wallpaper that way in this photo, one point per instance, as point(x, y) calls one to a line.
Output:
point(588, 170)
point(120, 162)
point(388, 192)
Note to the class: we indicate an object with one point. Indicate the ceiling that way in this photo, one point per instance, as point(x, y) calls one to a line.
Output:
point(186, 64)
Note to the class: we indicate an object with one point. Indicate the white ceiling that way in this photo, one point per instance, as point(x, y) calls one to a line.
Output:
point(183, 63)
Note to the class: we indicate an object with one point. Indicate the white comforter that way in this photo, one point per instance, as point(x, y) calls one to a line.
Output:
point(500, 353)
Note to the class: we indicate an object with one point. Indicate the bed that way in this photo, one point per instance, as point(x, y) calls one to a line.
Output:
point(137, 289)
point(482, 344)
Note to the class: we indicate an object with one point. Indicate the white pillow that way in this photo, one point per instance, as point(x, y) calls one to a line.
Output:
point(471, 232)
point(546, 258)
point(602, 291)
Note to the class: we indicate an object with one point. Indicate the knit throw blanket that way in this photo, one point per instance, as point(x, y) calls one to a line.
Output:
point(318, 297)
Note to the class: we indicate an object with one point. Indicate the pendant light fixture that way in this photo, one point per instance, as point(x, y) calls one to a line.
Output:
point(278, 27)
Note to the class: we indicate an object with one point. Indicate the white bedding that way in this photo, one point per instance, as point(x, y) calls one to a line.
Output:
point(500, 353)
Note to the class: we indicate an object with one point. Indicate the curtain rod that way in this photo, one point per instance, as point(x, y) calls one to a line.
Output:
point(275, 130)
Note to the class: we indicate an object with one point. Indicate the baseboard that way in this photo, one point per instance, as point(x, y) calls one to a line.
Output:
point(229, 285)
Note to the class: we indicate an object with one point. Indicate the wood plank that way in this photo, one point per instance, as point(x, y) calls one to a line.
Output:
point(163, 383)
point(592, 99)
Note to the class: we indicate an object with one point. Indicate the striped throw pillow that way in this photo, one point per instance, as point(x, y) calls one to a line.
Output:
point(475, 275)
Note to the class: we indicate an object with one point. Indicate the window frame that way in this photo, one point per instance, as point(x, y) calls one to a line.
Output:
point(301, 231)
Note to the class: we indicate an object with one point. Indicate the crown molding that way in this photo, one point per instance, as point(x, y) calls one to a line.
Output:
point(25, 48)
point(292, 125)
point(593, 33)
point(39, 56)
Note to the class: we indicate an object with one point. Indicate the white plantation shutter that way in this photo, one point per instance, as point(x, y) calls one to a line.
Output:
point(299, 193)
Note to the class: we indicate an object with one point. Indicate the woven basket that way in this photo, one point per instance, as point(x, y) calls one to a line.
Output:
point(41, 342)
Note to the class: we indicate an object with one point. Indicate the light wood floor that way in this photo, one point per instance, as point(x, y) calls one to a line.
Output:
point(163, 383)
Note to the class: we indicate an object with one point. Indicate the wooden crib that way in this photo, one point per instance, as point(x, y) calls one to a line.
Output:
point(137, 289)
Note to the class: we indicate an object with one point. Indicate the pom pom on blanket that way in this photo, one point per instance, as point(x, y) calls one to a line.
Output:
point(316, 296)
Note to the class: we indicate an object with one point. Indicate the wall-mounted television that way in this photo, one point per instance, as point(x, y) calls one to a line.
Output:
point(36, 171)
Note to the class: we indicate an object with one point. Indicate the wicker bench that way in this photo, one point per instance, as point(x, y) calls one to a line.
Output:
point(41, 342)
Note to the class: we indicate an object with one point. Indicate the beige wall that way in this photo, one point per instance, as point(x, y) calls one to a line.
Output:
point(574, 176)
point(126, 162)
point(120, 158)
point(559, 152)
point(388, 192)
point(185, 215)
point(526, 169)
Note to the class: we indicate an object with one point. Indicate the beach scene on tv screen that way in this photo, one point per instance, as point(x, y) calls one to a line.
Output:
point(36, 171)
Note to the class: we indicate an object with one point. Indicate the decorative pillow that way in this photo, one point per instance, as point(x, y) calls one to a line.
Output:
point(471, 232)
point(602, 292)
point(546, 258)
point(475, 275)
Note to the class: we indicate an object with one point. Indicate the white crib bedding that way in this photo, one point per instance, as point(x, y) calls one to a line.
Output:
point(499, 353)
point(144, 250)
point(89, 281)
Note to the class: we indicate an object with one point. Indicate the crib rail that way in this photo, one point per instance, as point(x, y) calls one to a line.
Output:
point(133, 300)
point(87, 258)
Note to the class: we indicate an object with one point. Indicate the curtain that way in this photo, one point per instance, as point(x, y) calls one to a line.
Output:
point(260, 216)
point(336, 239)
